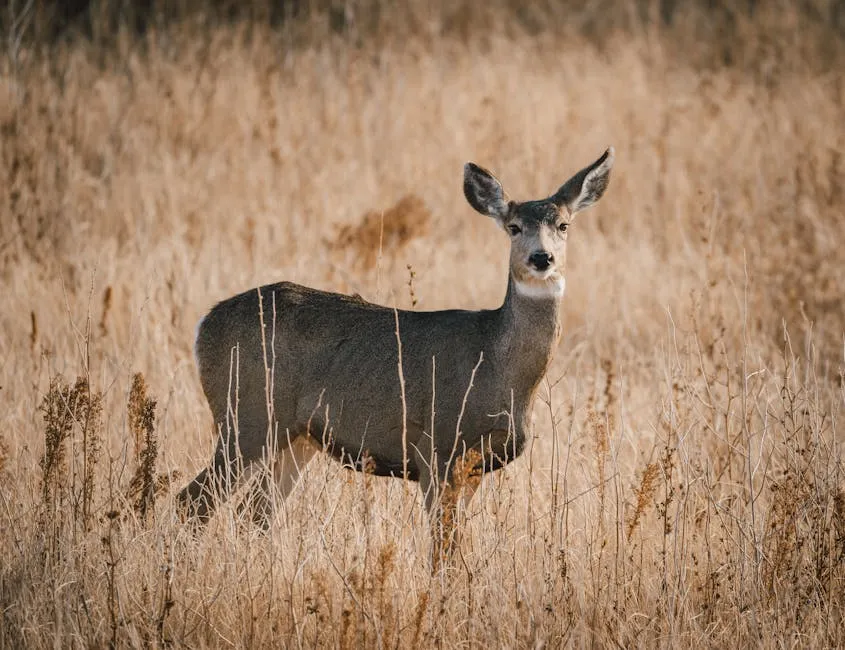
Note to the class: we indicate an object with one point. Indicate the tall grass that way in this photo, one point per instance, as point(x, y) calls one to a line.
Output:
point(685, 485)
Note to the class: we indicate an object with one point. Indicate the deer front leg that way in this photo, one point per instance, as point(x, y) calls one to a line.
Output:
point(442, 498)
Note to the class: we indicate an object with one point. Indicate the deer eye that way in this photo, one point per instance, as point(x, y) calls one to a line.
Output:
point(563, 226)
point(513, 229)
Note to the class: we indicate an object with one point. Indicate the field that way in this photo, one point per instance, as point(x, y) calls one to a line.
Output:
point(685, 486)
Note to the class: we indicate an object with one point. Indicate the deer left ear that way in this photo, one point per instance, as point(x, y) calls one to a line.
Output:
point(587, 186)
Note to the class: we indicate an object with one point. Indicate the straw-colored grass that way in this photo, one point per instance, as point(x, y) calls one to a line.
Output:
point(685, 487)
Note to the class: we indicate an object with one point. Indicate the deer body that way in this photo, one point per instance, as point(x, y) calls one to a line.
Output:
point(348, 394)
point(320, 370)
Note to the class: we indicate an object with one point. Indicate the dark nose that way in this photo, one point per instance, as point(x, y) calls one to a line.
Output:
point(541, 260)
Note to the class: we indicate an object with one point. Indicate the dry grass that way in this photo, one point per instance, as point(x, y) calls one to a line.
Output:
point(685, 486)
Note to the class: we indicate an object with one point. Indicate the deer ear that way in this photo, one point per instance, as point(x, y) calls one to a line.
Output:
point(484, 192)
point(587, 186)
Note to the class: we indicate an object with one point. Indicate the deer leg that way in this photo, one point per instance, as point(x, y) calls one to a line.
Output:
point(286, 469)
point(215, 482)
point(429, 473)
point(447, 492)
point(466, 492)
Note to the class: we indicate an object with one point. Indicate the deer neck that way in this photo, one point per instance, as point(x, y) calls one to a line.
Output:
point(530, 329)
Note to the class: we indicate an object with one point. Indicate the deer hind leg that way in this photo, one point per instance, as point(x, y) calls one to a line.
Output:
point(240, 445)
point(285, 467)
point(213, 484)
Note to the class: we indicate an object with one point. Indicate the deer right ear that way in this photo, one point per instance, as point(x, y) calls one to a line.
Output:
point(484, 192)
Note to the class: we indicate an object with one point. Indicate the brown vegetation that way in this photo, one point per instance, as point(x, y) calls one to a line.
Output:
point(383, 233)
point(685, 486)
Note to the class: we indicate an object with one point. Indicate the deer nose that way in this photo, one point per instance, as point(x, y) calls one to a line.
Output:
point(541, 260)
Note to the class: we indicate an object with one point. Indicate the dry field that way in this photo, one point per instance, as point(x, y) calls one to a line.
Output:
point(685, 487)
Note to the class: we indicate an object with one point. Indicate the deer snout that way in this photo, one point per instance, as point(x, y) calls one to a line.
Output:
point(541, 260)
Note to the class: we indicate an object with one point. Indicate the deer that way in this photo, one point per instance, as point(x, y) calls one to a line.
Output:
point(289, 371)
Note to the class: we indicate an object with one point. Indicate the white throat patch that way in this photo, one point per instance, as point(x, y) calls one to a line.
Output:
point(542, 289)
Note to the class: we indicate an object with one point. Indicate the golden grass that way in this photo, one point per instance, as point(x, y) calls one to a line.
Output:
point(685, 486)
